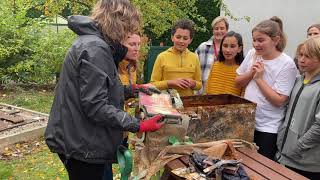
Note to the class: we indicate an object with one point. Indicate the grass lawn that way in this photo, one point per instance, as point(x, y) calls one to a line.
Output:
point(40, 163)
point(35, 100)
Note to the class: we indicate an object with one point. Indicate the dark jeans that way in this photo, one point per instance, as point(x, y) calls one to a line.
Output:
point(309, 175)
point(108, 175)
point(267, 143)
point(79, 170)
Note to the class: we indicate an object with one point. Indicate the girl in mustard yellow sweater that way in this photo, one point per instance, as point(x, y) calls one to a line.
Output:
point(177, 67)
point(223, 73)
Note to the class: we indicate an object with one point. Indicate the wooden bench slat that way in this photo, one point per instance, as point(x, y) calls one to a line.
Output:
point(174, 164)
point(271, 164)
point(253, 174)
point(185, 160)
point(259, 168)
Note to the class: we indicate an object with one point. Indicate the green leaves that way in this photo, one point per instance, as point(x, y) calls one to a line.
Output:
point(228, 13)
point(159, 16)
point(30, 51)
point(54, 7)
point(17, 34)
point(45, 62)
point(12, 30)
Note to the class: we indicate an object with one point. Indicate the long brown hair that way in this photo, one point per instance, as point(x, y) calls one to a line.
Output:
point(273, 27)
point(116, 19)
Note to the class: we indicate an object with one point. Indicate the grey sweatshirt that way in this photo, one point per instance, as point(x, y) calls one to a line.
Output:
point(299, 135)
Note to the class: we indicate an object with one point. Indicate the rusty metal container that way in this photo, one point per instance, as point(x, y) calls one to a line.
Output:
point(216, 117)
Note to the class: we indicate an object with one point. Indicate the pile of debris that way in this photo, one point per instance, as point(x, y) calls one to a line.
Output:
point(203, 120)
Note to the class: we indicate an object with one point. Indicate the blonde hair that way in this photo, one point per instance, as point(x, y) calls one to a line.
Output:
point(220, 19)
point(312, 47)
point(273, 27)
point(116, 19)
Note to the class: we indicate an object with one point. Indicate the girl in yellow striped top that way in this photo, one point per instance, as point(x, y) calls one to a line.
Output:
point(223, 73)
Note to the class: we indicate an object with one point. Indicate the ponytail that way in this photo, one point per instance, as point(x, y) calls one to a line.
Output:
point(283, 39)
point(273, 27)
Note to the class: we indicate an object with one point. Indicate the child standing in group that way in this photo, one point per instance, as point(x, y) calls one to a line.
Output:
point(268, 75)
point(208, 51)
point(223, 72)
point(299, 135)
point(177, 67)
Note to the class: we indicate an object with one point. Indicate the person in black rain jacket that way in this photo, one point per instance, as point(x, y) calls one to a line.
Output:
point(87, 120)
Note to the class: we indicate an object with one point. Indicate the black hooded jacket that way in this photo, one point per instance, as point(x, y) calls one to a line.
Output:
point(87, 118)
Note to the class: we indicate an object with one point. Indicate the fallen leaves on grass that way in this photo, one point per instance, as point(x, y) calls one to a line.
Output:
point(19, 150)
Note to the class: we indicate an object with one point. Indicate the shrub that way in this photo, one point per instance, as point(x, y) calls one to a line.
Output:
point(30, 52)
point(17, 33)
point(44, 64)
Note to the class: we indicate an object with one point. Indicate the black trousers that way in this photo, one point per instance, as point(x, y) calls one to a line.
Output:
point(309, 175)
point(79, 170)
point(267, 143)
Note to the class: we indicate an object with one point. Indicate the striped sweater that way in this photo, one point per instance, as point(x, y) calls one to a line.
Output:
point(222, 80)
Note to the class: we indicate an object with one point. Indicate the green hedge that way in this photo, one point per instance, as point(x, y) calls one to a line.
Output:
point(207, 9)
point(30, 51)
point(44, 64)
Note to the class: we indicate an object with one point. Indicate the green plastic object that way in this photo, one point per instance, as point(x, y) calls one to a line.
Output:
point(187, 140)
point(174, 141)
point(154, 51)
point(125, 162)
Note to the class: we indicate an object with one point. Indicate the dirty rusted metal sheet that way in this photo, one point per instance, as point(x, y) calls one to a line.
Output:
point(3, 125)
point(8, 118)
point(31, 128)
point(217, 117)
point(11, 117)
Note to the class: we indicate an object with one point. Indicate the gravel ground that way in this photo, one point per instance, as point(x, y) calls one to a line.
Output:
point(17, 130)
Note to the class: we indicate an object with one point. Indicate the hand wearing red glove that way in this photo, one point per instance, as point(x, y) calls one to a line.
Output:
point(151, 124)
point(145, 88)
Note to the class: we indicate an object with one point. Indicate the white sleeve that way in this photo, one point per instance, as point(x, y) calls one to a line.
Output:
point(285, 81)
point(246, 64)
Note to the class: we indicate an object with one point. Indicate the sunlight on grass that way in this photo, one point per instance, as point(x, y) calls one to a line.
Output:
point(40, 165)
point(35, 100)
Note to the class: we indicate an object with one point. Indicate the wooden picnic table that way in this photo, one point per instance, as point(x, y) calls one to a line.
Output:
point(256, 166)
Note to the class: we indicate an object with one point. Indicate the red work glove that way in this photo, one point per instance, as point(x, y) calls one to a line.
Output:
point(145, 88)
point(151, 124)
